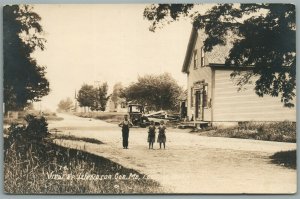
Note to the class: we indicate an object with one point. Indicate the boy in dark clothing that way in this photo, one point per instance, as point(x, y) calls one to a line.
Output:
point(125, 124)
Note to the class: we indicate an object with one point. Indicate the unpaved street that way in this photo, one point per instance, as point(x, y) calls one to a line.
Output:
point(190, 163)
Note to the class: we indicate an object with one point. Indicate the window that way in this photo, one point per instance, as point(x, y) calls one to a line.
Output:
point(195, 59)
point(205, 104)
point(123, 105)
point(192, 98)
point(135, 109)
point(202, 57)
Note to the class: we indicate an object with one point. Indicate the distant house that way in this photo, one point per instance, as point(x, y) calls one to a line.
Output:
point(120, 106)
point(213, 96)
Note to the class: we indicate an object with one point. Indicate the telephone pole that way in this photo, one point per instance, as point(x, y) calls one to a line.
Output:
point(75, 97)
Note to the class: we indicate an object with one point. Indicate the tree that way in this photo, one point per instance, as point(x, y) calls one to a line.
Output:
point(24, 79)
point(116, 94)
point(101, 97)
point(65, 105)
point(86, 96)
point(157, 91)
point(265, 40)
point(93, 98)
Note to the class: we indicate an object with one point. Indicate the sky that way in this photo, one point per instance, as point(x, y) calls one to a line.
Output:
point(105, 43)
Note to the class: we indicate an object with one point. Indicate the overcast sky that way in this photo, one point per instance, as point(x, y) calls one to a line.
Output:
point(106, 43)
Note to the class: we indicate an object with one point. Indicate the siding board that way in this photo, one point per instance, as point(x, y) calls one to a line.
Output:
point(231, 105)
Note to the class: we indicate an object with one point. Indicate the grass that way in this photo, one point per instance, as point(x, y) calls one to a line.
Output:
point(46, 168)
point(285, 158)
point(111, 117)
point(71, 137)
point(275, 131)
point(50, 116)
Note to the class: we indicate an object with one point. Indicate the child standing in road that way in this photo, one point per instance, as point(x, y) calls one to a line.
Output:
point(151, 134)
point(162, 134)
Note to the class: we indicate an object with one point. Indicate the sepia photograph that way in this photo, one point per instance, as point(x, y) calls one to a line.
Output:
point(149, 98)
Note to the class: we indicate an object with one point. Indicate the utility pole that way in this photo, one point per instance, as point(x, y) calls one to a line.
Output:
point(97, 85)
point(75, 97)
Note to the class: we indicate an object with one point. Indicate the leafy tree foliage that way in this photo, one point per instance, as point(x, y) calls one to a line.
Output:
point(86, 96)
point(65, 105)
point(265, 39)
point(160, 14)
point(92, 97)
point(101, 97)
point(157, 91)
point(24, 79)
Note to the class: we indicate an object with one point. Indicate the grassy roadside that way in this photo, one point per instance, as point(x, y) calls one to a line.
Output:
point(275, 131)
point(50, 116)
point(111, 117)
point(51, 169)
point(72, 137)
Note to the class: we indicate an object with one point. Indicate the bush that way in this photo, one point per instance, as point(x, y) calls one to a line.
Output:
point(285, 158)
point(29, 136)
point(35, 130)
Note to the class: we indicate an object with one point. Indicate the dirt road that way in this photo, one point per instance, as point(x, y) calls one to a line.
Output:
point(190, 163)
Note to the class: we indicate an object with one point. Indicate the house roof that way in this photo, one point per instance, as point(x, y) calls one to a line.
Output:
point(215, 58)
point(217, 66)
point(190, 47)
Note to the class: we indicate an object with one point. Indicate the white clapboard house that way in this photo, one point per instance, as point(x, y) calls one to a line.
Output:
point(120, 106)
point(214, 97)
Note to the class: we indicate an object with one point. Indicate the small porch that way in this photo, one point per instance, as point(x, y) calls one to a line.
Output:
point(194, 124)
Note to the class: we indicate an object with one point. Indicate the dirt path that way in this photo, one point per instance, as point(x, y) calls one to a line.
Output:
point(190, 163)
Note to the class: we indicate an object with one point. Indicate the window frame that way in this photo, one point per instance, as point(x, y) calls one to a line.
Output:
point(192, 97)
point(196, 59)
point(202, 57)
point(205, 96)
